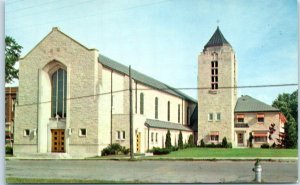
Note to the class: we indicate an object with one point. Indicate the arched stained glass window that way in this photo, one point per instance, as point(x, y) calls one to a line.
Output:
point(59, 93)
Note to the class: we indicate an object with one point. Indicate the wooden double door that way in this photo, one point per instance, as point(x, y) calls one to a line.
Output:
point(58, 140)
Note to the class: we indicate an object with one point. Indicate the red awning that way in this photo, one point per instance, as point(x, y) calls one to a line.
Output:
point(240, 116)
point(214, 133)
point(260, 115)
point(260, 134)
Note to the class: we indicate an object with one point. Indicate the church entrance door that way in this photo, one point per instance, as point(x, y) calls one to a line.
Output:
point(58, 140)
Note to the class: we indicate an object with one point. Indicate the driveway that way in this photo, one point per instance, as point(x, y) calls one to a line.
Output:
point(153, 171)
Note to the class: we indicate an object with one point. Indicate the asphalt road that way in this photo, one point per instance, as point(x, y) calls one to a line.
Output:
point(153, 171)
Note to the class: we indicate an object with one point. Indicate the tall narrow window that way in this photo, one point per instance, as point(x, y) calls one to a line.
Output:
point(168, 110)
point(59, 93)
point(156, 108)
point(214, 71)
point(188, 115)
point(178, 113)
point(142, 103)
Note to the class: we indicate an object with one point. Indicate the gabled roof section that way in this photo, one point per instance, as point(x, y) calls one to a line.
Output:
point(248, 104)
point(217, 39)
point(56, 29)
point(166, 125)
point(141, 78)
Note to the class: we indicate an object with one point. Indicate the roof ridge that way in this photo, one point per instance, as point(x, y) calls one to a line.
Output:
point(142, 78)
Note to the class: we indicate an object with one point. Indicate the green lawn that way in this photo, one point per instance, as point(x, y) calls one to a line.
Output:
point(223, 152)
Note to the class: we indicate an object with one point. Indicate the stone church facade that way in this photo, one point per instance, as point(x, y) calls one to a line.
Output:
point(74, 102)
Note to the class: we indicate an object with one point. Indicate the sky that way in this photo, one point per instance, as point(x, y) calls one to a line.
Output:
point(163, 38)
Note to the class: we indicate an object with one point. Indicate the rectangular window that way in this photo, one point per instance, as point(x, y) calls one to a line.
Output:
point(82, 132)
point(168, 110)
point(26, 132)
point(210, 117)
point(260, 118)
point(156, 138)
point(152, 136)
point(240, 118)
point(118, 135)
point(218, 116)
point(156, 108)
point(214, 138)
point(123, 134)
point(262, 139)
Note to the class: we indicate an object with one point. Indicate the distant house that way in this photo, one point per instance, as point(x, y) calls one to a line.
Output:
point(255, 117)
point(220, 113)
point(10, 100)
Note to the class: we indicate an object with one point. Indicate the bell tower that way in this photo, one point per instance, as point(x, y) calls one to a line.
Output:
point(217, 95)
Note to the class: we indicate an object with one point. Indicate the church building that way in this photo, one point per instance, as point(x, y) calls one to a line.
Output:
point(220, 112)
point(73, 102)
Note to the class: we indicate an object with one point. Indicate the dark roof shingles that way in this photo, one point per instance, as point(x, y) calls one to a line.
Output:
point(142, 78)
point(166, 125)
point(249, 104)
point(217, 39)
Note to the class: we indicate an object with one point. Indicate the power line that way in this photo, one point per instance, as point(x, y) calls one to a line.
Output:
point(12, 2)
point(164, 89)
point(29, 7)
point(91, 15)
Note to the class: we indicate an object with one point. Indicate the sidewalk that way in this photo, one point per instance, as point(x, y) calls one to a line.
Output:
point(164, 158)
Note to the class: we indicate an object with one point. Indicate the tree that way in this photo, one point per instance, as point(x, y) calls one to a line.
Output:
point(288, 105)
point(290, 138)
point(168, 140)
point(12, 55)
point(180, 142)
point(191, 141)
point(271, 130)
point(224, 142)
point(250, 140)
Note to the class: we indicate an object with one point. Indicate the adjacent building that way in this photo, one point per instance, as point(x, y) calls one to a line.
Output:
point(10, 100)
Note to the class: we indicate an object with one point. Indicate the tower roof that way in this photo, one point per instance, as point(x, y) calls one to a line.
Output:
point(217, 39)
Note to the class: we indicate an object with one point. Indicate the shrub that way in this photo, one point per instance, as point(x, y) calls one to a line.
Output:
point(8, 150)
point(229, 145)
point(265, 145)
point(191, 141)
point(202, 144)
point(224, 142)
point(168, 140)
point(273, 145)
point(180, 142)
point(160, 151)
point(114, 149)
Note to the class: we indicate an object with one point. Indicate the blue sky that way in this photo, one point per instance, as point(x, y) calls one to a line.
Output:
point(163, 38)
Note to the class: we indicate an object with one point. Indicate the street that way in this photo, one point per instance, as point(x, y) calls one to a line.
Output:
point(153, 171)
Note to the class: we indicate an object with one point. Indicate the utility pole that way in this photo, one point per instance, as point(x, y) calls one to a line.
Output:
point(130, 115)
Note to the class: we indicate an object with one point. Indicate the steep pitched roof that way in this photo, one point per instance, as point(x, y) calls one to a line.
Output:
point(217, 39)
point(141, 78)
point(166, 125)
point(249, 104)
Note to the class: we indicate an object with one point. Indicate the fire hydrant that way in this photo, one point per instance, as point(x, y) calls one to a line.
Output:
point(257, 169)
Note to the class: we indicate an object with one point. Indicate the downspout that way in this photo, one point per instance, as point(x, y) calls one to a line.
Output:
point(111, 106)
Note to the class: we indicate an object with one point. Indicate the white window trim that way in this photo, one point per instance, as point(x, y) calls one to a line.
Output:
point(80, 133)
point(24, 132)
